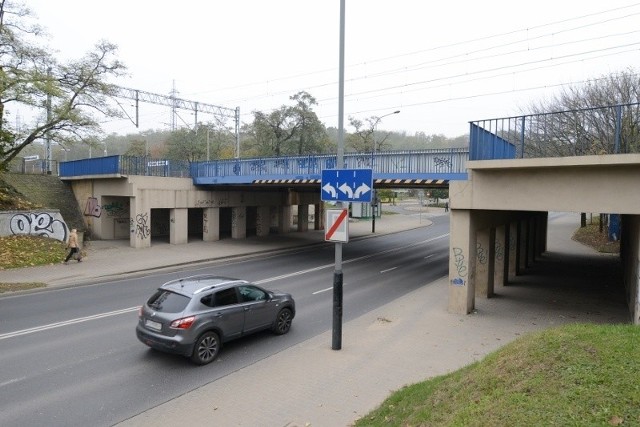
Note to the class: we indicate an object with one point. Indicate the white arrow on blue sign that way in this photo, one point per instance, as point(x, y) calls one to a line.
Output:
point(347, 185)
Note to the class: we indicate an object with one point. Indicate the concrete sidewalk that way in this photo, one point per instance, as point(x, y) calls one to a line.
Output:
point(403, 342)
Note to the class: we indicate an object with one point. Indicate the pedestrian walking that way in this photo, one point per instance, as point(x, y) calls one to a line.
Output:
point(73, 246)
point(446, 206)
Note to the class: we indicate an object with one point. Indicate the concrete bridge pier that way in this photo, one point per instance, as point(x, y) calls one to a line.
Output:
point(140, 221)
point(263, 221)
point(238, 222)
point(211, 224)
point(178, 226)
point(487, 248)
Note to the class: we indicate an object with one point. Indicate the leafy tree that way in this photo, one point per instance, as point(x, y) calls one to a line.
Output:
point(138, 148)
point(72, 93)
point(272, 131)
point(186, 144)
point(311, 134)
point(288, 130)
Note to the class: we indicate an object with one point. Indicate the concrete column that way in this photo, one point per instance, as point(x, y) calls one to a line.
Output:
point(512, 251)
point(499, 269)
point(211, 224)
point(284, 219)
point(541, 236)
point(263, 221)
point(461, 263)
point(140, 221)
point(522, 246)
point(318, 219)
point(485, 249)
point(532, 238)
point(239, 222)
point(178, 226)
point(303, 217)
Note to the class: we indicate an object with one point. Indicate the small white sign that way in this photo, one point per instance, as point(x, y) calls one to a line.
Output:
point(336, 225)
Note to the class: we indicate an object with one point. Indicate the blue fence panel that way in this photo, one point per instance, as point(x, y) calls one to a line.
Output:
point(581, 132)
point(95, 166)
point(484, 145)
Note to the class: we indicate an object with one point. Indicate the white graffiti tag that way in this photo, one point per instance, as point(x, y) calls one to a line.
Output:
point(39, 224)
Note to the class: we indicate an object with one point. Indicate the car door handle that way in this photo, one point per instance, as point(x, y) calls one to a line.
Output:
point(218, 315)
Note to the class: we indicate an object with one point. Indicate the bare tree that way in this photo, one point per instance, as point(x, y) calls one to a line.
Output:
point(65, 96)
point(598, 117)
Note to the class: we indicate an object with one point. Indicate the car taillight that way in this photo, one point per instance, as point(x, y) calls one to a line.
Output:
point(184, 323)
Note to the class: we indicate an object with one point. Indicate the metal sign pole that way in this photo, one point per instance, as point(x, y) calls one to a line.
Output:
point(336, 341)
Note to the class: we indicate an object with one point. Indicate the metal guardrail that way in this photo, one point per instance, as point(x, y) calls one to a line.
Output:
point(589, 131)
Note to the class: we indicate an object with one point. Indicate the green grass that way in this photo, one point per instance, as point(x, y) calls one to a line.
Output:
point(576, 375)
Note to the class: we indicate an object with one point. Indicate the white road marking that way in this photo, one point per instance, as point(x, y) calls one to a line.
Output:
point(15, 380)
point(66, 323)
point(388, 270)
point(130, 309)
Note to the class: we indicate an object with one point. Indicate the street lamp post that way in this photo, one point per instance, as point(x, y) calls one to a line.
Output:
point(374, 196)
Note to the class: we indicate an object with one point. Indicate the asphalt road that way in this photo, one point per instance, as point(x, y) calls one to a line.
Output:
point(70, 356)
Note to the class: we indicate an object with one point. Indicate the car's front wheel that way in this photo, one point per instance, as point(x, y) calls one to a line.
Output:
point(206, 348)
point(283, 322)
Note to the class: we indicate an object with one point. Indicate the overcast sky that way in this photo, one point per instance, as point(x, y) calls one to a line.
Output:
point(442, 64)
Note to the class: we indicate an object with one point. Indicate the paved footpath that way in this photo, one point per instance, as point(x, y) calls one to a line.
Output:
point(408, 340)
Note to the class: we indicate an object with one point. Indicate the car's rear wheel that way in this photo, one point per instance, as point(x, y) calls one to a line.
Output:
point(283, 322)
point(206, 348)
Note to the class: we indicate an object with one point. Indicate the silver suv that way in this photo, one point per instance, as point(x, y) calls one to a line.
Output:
point(194, 315)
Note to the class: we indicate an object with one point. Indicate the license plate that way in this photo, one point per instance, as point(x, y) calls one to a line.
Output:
point(156, 326)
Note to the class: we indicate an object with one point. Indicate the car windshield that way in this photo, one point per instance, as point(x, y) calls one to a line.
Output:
point(168, 302)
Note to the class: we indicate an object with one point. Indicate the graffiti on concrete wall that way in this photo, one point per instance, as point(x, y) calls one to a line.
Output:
point(460, 264)
point(217, 201)
point(92, 208)
point(43, 224)
point(114, 209)
point(499, 251)
point(481, 253)
point(141, 226)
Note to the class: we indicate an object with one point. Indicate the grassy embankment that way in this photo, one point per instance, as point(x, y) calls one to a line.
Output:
point(575, 375)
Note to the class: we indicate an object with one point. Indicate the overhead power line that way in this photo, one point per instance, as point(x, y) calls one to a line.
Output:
point(174, 102)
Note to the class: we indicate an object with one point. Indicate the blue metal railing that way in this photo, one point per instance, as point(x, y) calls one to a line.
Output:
point(125, 165)
point(597, 130)
point(440, 163)
point(436, 164)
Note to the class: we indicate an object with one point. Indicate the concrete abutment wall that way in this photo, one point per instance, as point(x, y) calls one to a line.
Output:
point(139, 208)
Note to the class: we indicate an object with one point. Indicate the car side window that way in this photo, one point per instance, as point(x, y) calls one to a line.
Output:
point(208, 300)
point(225, 297)
point(251, 293)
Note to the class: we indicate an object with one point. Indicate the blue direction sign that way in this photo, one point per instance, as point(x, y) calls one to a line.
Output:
point(347, 185)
